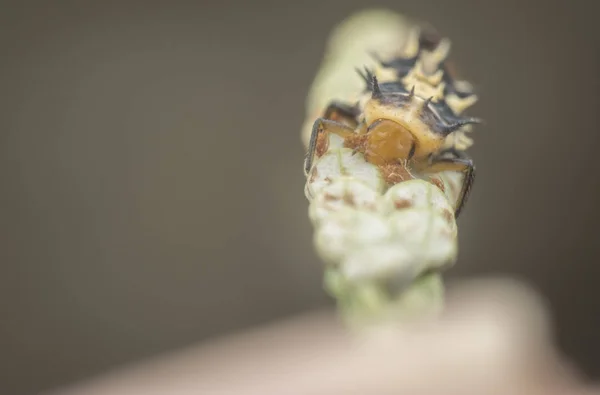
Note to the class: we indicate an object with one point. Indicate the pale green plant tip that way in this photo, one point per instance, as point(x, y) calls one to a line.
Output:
point(371, 302)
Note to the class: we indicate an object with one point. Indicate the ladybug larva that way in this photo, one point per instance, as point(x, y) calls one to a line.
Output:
point(408, 121)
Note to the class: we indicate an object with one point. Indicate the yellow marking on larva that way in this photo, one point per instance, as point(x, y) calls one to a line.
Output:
point(438, 92)
point(458, 140)
point(417, 75)
point(385, 74)
point(432, 59)
point(458, 105)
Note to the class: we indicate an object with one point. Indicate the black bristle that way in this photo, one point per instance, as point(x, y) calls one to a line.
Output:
point(427, 102)
point(376, 91)
point(367, 76)
point(447, 129)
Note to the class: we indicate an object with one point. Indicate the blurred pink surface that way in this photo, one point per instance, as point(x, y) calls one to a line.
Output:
point(494, 338)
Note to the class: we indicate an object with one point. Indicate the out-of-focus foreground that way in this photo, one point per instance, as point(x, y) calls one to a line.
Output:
point(152, 171)
point(493, 338)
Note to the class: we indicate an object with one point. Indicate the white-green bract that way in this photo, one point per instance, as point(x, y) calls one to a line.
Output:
point(378, 242)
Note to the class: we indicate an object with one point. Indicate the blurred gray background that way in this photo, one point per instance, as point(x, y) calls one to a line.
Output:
point(152, 191)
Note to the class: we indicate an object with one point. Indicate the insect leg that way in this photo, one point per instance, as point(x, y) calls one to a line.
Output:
point(458, 161)
point(323, 125)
